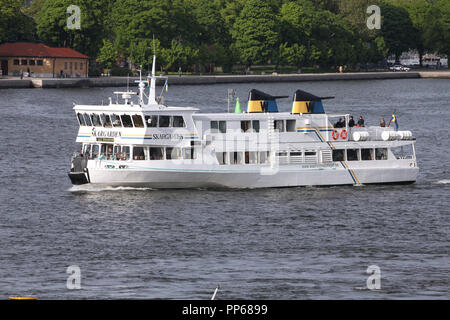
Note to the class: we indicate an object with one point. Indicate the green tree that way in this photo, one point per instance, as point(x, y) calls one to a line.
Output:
point(142, 51)
point(14, 25)
point(52, 25)
point(294, 55)
point(397, 30)
point(180, 55)
point(255, 32)
point(108, 54)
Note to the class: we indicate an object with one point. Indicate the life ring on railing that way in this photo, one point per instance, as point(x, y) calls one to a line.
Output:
point(344, 134)
point(335, 135)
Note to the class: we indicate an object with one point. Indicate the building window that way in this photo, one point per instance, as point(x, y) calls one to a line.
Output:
point(65, 65)
point(16, 62)
point(81, 65)
point(32, 63)
point(24, 62)
point(40, 62)
point(76, 65)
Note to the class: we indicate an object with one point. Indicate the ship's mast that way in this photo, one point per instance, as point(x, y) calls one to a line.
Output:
point(152, 95)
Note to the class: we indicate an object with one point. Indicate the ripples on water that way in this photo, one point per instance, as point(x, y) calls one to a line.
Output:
point(289, 243)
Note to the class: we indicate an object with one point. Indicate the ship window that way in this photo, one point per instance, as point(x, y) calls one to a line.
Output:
point(40, 62)
point(156, 153)
point(352, 154)
point(164, 121)
point(338, 155)
point(290, 125)
point(188, 153)
point(126, 120)
point(279, 125)
point(95, 151)
point(96, 120)
point(138, 123)
point(173, 153)
point(115, 119)
point(151, 121)
point(178, 122)
point(366, 154)
point(381, 154)
point(245, 126)
point(281, 154)
point(87, 120)
point(222, 126)
point(214, 126)
point(138, 153)
point(87, 150)
point(264, 157)
point(221, 157)
point(81, 119)
point(106, 120)
point(236, 157)
point(253, 158)
point(296, 154)
point(125, 153)
point(255, 125)
point(310, 154)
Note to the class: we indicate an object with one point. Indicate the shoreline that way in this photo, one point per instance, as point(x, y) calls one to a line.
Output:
point(15, 83)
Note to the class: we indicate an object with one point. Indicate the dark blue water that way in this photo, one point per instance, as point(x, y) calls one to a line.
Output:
point(291, 243)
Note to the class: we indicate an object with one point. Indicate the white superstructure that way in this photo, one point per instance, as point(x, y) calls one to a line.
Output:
point(146, 143)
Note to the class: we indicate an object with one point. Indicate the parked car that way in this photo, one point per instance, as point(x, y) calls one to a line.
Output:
point(399, 67)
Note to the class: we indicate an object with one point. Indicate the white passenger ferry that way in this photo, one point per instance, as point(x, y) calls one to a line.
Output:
point(145, 143)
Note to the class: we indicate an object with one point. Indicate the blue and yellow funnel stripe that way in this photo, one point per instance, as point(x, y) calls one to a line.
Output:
point(305, 102)
point(262, 102)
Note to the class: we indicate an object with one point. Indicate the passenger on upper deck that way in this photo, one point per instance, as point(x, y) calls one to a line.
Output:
point(351, 122)
point(340, 123)
point(382, 123)
point(361, 121)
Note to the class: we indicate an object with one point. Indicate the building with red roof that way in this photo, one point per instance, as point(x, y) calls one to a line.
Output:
point(39, 60)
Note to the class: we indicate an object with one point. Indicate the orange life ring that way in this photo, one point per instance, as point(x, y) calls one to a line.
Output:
point(335, 135)
point(344, 134)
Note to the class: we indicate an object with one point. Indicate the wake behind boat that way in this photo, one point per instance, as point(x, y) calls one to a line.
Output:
point(148, 144)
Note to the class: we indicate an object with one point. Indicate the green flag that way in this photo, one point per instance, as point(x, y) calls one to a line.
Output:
point(237, 109)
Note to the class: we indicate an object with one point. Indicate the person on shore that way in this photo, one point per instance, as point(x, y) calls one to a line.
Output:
point(21, 74)
point(351, 122)
point(179, 72)
point(382, 123)
point(361, 121)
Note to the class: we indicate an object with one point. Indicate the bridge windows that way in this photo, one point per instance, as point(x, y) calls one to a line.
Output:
point(151, 121)
point(106, 120)
point(137, 120)
point(81, 119)
point(250, 126)
point(178, 122)
point(115, 119)
point(165, 121)
point(126, 121)
point(95, 118)
point(291, 126)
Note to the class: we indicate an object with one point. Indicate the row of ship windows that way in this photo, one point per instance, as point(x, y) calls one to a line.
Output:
point(124, 153)
point(254, 126)
point(127, 121)
point(360, 154)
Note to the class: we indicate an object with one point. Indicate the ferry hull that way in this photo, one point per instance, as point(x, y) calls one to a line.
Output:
point(179, 179)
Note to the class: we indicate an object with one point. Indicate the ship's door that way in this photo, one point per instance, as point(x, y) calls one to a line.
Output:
point(4, 67)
